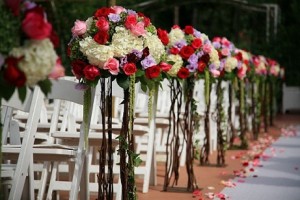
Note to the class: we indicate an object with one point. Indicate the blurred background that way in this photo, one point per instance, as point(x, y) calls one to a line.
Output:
point(266, 27)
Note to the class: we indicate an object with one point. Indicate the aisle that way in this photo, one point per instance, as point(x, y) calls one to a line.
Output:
point(277, 177)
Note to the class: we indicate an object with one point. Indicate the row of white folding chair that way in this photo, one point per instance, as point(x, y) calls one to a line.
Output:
point(41, 152)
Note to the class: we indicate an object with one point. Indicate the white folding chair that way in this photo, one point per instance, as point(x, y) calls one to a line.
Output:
point(12, 142)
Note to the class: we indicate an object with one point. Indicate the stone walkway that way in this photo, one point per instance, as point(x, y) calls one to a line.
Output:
point(277, 177)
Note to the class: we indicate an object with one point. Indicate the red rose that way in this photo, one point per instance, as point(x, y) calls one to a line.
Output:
point(152, 72)
point(101, 37)
point(186, 51)
point(145, 52)
point(102, 24)
point(163, 36)
point(77, 68)
point(175, 26)
point(35, 26)
point(174, 50)
point(205, 58)
point(196, 43)
point(201, 66)
point(189, 30)
point(103, 12)
point(12, 74)
point(91, 72)
point(183, 73)
point(130, 21)
point(239, 56)
point(147, 21)
point(129, 69)
point(165, 66)
point(14, 6)
point(54, 39)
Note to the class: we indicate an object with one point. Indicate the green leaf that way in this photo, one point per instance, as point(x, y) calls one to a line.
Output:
point(139, 73)
point(22, 93)
point(137, 160)
point(123, 82)
point(45, 86)
point(144, 88)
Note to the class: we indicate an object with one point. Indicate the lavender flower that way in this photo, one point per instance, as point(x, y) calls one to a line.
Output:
point(138, 53)
point(130, 12)
point(123, 61)
point(193, 59)
point(212, 66)
point(81, 86)
point(192, 67)
point(180, 44)
point(114, 17)
point(222, 64)
point(217, 45)
point(197, 33)
point(149, 61)
point(239, 64)
point(200, 54)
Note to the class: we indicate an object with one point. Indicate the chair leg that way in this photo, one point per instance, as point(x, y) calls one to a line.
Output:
point(52, 180)
point(43, 181)
point(31, 178)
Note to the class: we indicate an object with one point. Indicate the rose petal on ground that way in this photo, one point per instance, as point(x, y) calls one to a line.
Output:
point(241, 181)
point(197, 193)
point(210, 187)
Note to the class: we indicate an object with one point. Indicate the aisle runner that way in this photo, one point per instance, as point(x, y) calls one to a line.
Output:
point(278, 178)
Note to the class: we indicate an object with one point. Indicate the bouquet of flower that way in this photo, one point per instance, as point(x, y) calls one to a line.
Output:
point(243, 67)
point(259, 63)
point(35, 59)
point(191, 52)
point(273, 67)
point(116, 42)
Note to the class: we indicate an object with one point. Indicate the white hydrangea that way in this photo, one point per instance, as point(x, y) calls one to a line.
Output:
point(39, 58)
point(156, 47)
point(88, 23)
point(230, 64)
point(175, 35)
point(123, 42)
point(176, 66)
point(246, 55)
point(96, 54)
point(214, 56)
point(204, 37)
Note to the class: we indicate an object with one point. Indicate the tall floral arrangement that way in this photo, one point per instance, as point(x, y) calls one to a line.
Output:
point(191, 55)
point(122, 45)
point(27, 52)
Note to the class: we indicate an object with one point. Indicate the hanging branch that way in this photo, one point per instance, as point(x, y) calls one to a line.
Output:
point(173, 151)
point(232, 129)
point(244, 143)
point(204, 157)
point(188, 134)
point(102, 184)
point(271, 100)
point(220, 122)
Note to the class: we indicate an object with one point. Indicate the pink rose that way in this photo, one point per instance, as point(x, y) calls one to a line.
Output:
point(225, 42)
point(102, 24)
point(207, 48)
point(118, 9)
point(242, 72)
point(35, 26)
point(165, 66)
point(112, 65)
point(138, 29)
point(225, 52)
point(216, 39)
point(215, 73)
point(79, 28)
point(58, 70)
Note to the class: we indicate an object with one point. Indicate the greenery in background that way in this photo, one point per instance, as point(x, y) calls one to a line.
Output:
point(9, 34)
point(246, 28)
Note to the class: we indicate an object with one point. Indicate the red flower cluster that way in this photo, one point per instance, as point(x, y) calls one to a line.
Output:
point(84, 70)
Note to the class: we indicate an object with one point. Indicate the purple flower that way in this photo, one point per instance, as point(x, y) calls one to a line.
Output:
point(217, 45)
point(197, 33)
point(131, 12)
point(212, 66)
point(193, 59)
point(138, 53)
point(149, 61)
point(114, 17)
point(239, 64)
point(29, 5)
point(180, 44)
point(200, 54)
point(222, 64)
point(192, 67)
point(81, 86)
point(123, 61)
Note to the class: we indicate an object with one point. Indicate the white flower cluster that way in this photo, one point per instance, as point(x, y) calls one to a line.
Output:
point(123, 42)
point(175, 35)
point(214, 57)
point(230, 64)
point(177, 60)
point(96, 54)
point(156, 47)
point(39, 58)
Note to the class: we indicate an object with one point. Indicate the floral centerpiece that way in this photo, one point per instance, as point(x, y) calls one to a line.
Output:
point(191, 55)
point(122, 45)
point(27, 52)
